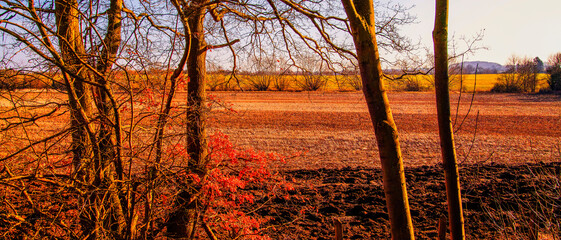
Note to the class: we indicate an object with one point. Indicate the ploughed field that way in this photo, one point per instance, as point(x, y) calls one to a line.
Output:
point(508, 146)
point(333, 129)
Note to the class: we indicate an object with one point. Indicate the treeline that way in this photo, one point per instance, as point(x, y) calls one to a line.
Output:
point(522, 75)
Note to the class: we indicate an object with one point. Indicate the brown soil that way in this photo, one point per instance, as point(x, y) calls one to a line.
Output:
point(355, 197)
point(333, 130)
point(503, 141)
point(503, 144)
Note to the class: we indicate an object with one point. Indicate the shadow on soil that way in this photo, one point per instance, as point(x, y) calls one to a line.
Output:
point(540, 97)
point(491, 194)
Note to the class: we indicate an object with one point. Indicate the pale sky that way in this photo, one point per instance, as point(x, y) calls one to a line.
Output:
point(522, 27)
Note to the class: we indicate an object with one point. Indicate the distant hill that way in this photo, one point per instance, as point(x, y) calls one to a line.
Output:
point(482, 67)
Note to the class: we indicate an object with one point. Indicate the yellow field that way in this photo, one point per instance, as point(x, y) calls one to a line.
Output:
point(222, 82)
point(482, 82)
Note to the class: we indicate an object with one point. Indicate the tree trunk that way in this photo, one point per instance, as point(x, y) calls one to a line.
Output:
point(361, 18)
point(453, 193)
point(93, 156)
point(72, 51)
point(183, 220)
point(110, 129)
point(196, 93)
point(110, 126)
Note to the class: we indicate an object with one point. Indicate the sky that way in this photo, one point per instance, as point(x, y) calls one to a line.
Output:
point(530, 28)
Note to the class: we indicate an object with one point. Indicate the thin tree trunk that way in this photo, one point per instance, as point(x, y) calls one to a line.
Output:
point(361, 18)
point(453, 193)
point(110, 126)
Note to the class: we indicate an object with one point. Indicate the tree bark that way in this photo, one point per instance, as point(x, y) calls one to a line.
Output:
point(93, 155)
point(453, 193)
point(183, 220)
point(72, 51)
point(196, 93)
point(110, 127)
point(361, 17)
point(73, 54)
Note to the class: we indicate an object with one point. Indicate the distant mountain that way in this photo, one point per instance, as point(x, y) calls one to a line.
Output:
point(482, 67)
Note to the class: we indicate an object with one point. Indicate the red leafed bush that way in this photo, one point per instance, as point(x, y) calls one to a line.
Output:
point(235, 180)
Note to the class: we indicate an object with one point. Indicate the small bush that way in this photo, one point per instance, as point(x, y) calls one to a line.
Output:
point(260, 82)
point(281, 83)
point(412, 84)
point(311, 82)
point(355, 82)
point(218, 82)
point(235, 181)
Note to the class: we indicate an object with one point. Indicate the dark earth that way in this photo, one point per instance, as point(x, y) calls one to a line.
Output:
point(499, 201)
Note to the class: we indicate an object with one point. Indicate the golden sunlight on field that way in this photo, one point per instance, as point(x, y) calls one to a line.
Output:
point(333, 129)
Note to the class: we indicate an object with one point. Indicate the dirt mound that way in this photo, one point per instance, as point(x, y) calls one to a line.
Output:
point(492, 194)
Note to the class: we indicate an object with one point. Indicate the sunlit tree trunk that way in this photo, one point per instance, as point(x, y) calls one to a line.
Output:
point(453, 193)
point(196, 93)
point(93, 156)
point(110, 130)
point(361, 17)
point(73, 53)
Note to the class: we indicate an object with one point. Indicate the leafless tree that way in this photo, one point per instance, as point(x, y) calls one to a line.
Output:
point(108, 162)
point(554, 71)
point(521, 75)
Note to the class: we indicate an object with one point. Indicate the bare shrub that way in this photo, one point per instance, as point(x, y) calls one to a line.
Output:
point(355, 81)
point(413, 83)
point(218, 82)
point(311, 73)
point(260, 81)
point(310, 81)
point(281, 82)
point(521, 75)
point(535, 211)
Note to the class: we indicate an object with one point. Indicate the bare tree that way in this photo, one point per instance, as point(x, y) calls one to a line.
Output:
point(119, 100)
point(554, 70)
point(95, 124)
point(521, 75)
